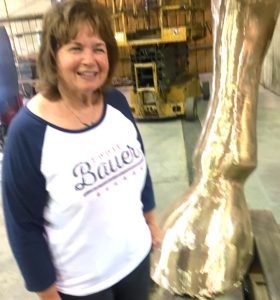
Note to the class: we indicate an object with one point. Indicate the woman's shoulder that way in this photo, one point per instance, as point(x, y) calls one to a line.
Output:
point(117, 99)
point(26, 123)
point(34, 104)
point(115, 96)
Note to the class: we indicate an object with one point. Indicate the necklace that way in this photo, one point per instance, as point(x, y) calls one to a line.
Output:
point(76, 116)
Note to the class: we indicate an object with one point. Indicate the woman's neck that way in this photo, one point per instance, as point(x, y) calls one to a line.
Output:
point(80, 100)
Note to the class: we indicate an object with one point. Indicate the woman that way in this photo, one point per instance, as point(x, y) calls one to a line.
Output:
point(78, 198)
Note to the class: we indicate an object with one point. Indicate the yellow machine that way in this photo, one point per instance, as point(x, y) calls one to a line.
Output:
point(157, 34)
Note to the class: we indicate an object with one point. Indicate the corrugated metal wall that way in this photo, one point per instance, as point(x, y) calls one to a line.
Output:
point(270, 77)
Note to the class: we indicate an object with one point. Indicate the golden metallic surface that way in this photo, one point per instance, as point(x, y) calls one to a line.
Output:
point(208, 242)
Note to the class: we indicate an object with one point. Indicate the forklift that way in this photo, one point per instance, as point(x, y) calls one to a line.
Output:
point(157, 34)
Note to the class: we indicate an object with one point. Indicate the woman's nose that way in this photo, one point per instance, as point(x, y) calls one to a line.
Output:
point(88, 57)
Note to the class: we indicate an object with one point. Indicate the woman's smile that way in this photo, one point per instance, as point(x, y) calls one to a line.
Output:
point(87, 75)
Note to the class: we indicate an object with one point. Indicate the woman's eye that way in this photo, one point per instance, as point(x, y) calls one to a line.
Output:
point(75, 49)
point(100, 50)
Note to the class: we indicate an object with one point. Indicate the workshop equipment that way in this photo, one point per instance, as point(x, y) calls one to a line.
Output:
point(157, 34)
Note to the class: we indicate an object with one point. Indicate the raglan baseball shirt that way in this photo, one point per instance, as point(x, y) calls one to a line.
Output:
point(74, 200)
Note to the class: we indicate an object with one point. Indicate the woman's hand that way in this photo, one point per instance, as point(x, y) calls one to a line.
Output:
point(50, 293)
point(156, 232)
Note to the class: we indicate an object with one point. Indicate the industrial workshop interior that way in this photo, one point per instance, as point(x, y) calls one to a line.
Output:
point(166, 71)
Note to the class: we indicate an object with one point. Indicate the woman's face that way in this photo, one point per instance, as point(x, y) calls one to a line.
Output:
point(82, 64)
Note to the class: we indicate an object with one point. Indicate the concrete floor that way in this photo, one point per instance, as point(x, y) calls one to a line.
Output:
point(169, 146)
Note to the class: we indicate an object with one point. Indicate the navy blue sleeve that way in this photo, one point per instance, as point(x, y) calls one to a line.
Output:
point(118, 101)
point(24, 199)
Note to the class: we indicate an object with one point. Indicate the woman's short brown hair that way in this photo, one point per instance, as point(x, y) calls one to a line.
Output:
point(60, 26)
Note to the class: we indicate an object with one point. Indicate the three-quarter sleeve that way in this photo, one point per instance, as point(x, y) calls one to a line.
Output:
point(24, 199)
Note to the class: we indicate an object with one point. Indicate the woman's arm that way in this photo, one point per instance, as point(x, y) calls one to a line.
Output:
point(118, 100)
point(152, 222)
point(24, 199)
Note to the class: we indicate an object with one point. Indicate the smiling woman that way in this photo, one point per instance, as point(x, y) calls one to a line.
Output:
point(85, 201)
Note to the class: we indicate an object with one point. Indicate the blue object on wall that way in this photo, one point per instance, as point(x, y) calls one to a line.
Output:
point(8, 74)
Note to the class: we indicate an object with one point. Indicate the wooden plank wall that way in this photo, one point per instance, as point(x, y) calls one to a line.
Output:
point(200, 56)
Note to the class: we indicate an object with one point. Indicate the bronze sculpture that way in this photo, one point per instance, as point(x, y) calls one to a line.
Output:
point(208, 242)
